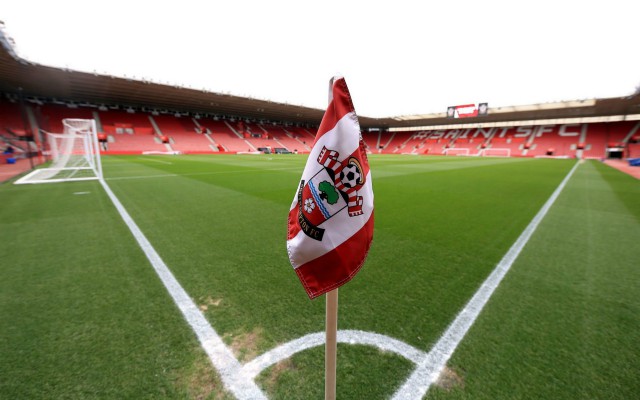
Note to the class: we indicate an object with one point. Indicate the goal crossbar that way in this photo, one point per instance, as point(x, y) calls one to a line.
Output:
point(495, 152)
point(456, 151)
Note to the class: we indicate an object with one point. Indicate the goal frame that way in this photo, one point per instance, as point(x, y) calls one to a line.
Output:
point(454, 150)
point(75, 154)
point(506, 152)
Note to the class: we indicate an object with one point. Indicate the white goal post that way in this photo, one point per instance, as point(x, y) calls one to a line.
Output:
point(456, 151)
point(75, 154)
point(497, 152)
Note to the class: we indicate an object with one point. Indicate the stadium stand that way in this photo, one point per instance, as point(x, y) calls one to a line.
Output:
point(604, 140)
point(392, 142)
point(371, 141)
point(287, 140)
point(50, 116)
point(183, 134)
point(595, 144)
point(438, 142)
point(263, 143)
point(129, 133)
point(11, 118)
point(136, 132)
point(303, 134)
point(255, 130)
point(225, 137)
point(555, 140)
point(16, 139)
point(633, 150)
point(473, 140)
point(568, 140)
point(516, 139)
point(403, 142)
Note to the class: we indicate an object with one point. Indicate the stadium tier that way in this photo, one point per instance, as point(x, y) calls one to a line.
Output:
point(12, 127)
point(288, 140)
point(135, 132)
point(11, 118)
point(597, 140)
point(371, 141)
point(182, 134)
point(49, 116)
point(304, 134)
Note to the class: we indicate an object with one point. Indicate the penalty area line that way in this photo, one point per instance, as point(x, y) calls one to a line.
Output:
point(429, 369)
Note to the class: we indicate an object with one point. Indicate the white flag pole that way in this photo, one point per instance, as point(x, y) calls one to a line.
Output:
point(331, 345)
point(331, 325)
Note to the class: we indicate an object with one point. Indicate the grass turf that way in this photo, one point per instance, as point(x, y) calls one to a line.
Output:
point(83, 315)
point(564, 324)
point(219, 222)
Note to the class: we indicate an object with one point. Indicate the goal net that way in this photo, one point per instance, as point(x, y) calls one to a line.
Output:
point(74, 153)
point(456, 152)
point(497, 152)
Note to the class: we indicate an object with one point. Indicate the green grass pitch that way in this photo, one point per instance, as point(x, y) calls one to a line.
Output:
point(83, 314)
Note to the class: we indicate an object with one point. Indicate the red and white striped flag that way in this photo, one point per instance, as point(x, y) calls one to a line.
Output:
point(330, 224)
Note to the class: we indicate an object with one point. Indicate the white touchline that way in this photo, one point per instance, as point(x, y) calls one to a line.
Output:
point(234, 379)
point(433, 363)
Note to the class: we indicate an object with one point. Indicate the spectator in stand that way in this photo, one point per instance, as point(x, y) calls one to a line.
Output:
point(8, 154)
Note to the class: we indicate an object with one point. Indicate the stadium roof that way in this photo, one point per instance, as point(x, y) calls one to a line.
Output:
point(34, 81)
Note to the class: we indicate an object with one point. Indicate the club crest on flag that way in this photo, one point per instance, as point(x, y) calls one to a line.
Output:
point(331, 190)
point(330, 221)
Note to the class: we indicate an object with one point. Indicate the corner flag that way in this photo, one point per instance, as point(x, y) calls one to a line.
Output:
point(330, 224)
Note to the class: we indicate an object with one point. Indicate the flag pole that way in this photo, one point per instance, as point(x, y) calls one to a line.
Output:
point(331, 345)
point(331, 326)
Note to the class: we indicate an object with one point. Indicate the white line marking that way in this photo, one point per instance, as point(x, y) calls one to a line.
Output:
point(119, 178)
point(234, 378)
point(385, 343)
point(158, 161)
point(431, 366)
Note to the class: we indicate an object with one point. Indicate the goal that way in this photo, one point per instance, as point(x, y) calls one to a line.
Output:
point(74, 153)
point(497, 152)
point(456, 152)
